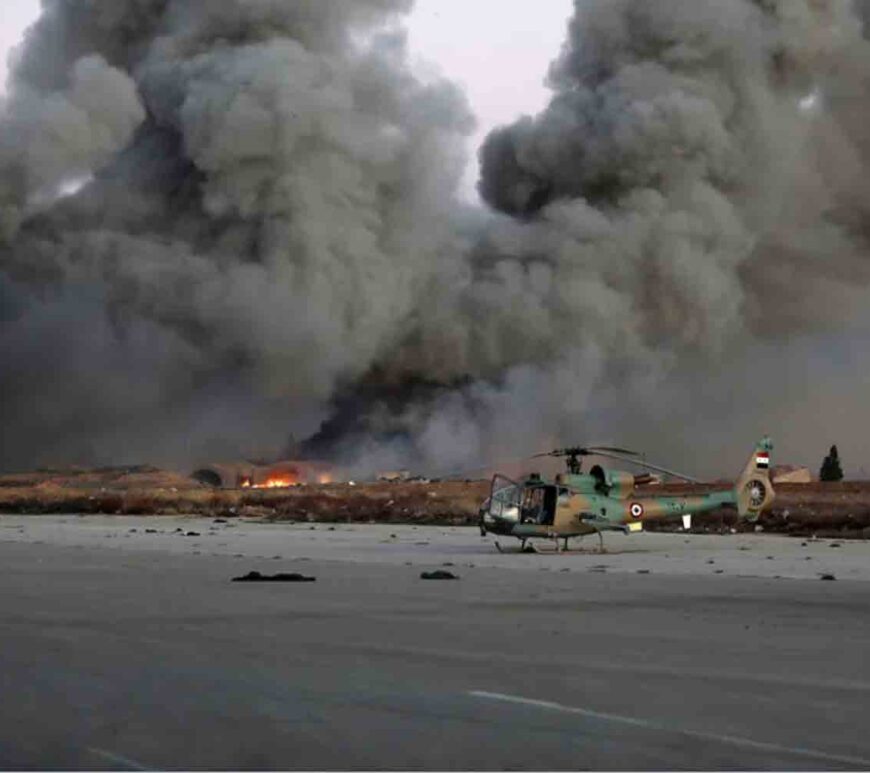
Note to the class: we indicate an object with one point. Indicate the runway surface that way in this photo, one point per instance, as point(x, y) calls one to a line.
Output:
point(128, 650)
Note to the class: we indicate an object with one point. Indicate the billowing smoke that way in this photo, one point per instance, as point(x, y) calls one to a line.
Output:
point(269, 192)
point(685, 226)
point(225, 223)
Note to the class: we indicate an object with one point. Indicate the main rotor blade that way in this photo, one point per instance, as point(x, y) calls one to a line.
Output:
point(648, 466)
point(557, 452)
point(623, 451)
point(585, 451)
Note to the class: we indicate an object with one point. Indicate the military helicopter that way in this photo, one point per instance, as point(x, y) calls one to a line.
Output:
point(577, 504)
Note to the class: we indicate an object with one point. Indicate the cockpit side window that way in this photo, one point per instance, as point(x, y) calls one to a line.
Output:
point(532, 505)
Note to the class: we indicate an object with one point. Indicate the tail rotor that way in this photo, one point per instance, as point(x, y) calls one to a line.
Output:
point(754, 489)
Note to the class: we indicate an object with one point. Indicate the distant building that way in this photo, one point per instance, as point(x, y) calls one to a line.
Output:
point(394, 476)
point(789, 473)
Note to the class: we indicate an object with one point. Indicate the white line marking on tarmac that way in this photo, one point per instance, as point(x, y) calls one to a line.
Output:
point(645, 724)
point(118, 759)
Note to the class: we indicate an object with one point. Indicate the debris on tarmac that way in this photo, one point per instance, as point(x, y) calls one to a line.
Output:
point(280, 577)
point(438, 574)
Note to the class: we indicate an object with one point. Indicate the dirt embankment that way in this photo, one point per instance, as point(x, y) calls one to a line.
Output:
point(147, 491)
point(825, 509)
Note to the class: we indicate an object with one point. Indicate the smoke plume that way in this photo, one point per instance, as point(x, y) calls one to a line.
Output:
point(268, 192)
point(226, 223)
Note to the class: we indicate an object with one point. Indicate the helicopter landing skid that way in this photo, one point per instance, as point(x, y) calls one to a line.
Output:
point(563, 549)
point(560, 546)
point(526, 547)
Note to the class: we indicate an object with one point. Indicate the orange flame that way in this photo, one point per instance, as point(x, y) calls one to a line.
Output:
point(286, 476)
point(276, 482)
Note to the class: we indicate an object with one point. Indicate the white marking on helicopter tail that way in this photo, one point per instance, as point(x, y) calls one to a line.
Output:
point(687, 522)
point(733, 740)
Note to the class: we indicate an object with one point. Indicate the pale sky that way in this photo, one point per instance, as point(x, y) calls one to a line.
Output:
point(498, 50)
point(17, 15)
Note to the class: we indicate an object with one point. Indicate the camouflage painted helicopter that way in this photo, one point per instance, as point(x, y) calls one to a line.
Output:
point(577, 504)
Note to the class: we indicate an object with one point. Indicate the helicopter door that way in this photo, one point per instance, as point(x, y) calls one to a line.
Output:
point(551, 497)
point(539, 504)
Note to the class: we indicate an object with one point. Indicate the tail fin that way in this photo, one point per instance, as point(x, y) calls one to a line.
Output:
point(754, 490)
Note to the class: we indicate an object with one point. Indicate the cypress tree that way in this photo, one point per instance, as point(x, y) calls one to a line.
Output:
point(831, 469)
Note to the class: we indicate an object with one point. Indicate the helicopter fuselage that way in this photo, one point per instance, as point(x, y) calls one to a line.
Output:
point(541, 509)
point(576, 504)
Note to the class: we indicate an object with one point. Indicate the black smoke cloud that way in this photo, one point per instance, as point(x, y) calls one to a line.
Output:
point(267, 240)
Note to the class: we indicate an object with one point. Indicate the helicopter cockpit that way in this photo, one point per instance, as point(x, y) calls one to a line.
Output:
point(533, 502)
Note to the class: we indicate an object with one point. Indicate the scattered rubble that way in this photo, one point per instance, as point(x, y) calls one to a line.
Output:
point(280, 577)
point(438, 574)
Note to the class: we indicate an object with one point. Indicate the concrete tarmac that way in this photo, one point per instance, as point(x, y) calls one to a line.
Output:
point(130, 650)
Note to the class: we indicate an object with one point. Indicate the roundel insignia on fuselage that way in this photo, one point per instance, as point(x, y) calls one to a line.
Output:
point(636, 509)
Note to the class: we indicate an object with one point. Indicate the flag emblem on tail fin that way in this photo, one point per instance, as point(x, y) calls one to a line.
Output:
point(762, 460)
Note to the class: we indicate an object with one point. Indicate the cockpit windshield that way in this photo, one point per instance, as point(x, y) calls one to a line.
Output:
point(504, 499)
